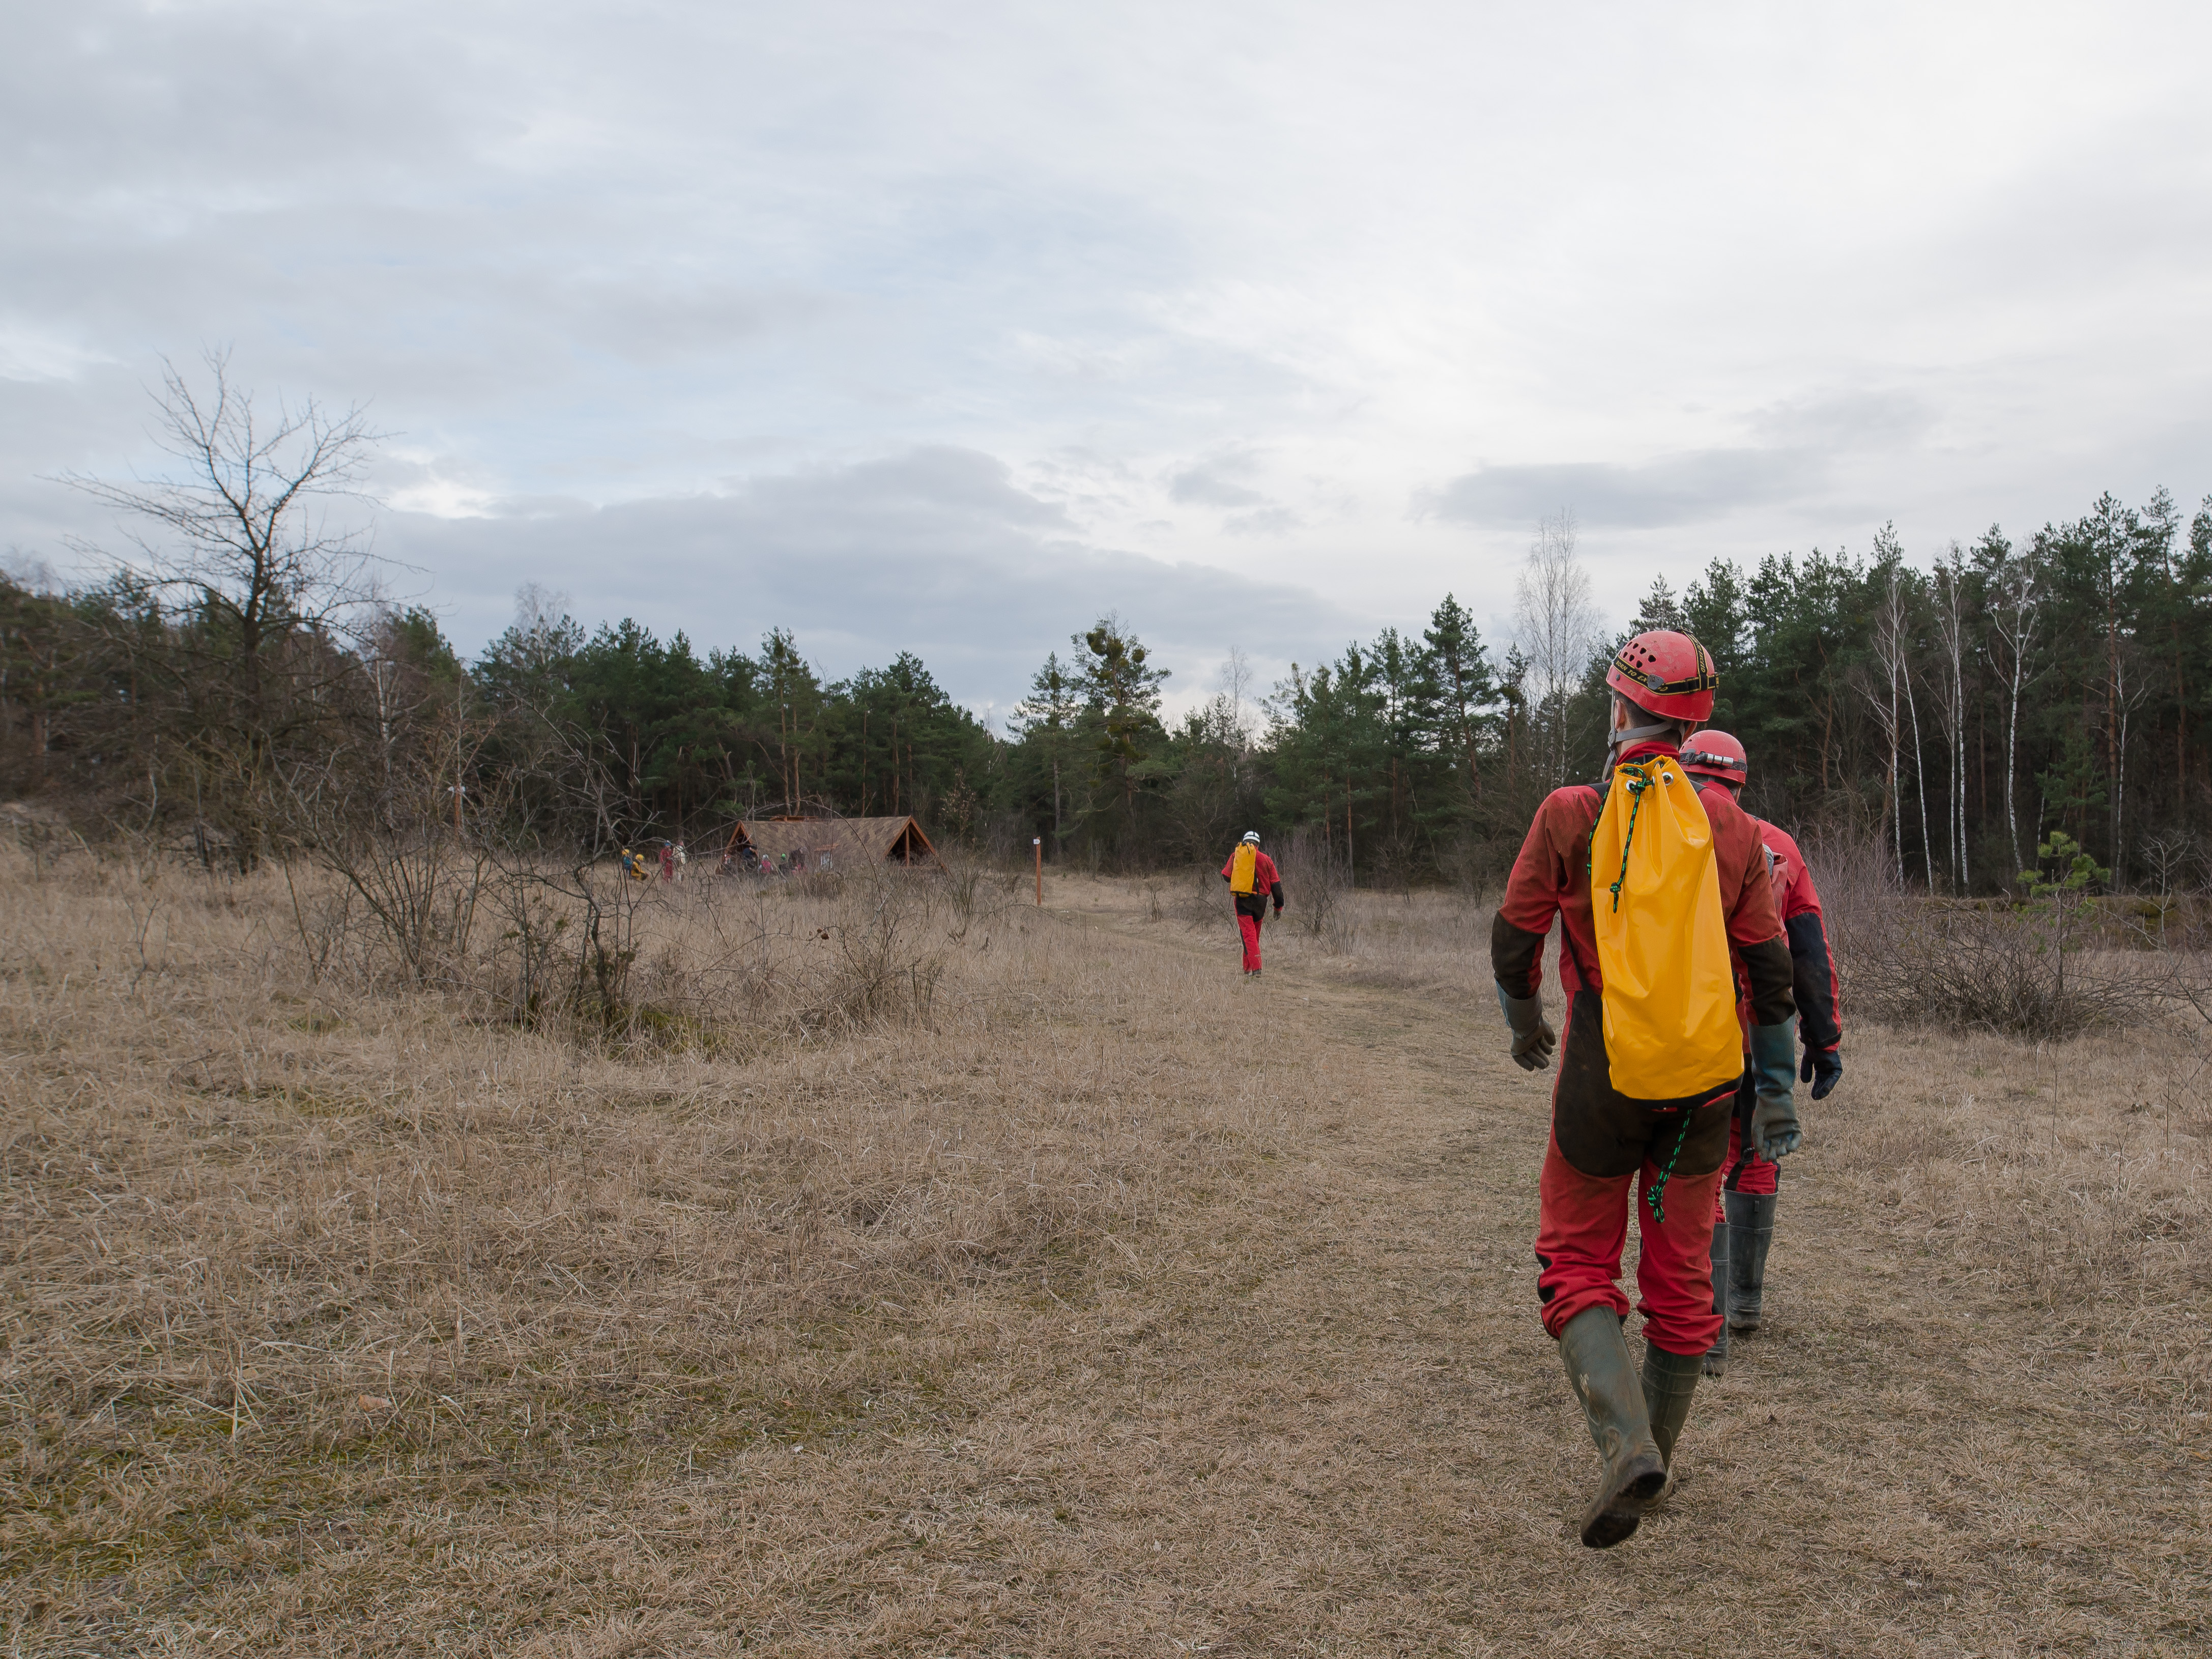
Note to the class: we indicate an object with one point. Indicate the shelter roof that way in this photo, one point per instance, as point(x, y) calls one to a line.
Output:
point(898, 840)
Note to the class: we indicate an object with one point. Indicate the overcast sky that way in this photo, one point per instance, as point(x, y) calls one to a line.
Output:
point(947, 327)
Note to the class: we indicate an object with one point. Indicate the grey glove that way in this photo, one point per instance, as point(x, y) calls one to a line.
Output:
point(1774, 1129)
point(1533, 1037)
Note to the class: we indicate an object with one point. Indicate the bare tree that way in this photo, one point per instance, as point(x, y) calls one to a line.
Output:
point(1949, 589)
point(2015, 609)
point(262, 584)
point(1235, 694)
point(1556, 626)
point(1892, 626)
point(1920, 782)
point(2132, 684)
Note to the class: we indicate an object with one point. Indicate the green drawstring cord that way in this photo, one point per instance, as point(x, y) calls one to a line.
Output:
point(1655, 1198)
point(1638, 782)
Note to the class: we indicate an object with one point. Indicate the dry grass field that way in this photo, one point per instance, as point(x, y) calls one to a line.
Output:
point(1084, 1300)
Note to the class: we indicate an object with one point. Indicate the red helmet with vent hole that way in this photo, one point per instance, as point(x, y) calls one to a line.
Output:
point(1667, 674)
point(1716, 755)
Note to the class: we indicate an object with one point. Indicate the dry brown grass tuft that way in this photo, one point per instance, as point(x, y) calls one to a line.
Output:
point(1092, 1302)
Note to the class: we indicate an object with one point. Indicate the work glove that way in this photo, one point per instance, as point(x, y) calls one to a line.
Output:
point(1774, 1130)
point(1823, 1069)
point(1533, 1037)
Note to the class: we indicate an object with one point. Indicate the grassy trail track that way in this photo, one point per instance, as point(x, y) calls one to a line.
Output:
point(1382, 1455)
point(670, 1371)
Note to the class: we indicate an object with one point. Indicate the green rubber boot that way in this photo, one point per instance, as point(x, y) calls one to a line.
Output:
point(1751, 1229)
point(1716, 1356)
point(1669, 1379)
point(1604, 1379)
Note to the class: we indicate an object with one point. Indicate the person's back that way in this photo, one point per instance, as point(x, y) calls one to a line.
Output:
point(1550, 877)
point(1607, 1142)
point(1253, 879)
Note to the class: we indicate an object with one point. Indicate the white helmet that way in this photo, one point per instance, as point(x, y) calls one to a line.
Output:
point(1251, 836)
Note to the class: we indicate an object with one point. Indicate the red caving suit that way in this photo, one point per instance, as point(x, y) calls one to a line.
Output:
point(1820, 1001)
point(1603, 1143)
point(1252, 906)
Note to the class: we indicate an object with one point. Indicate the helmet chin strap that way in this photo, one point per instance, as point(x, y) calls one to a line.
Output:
point(1632, 734)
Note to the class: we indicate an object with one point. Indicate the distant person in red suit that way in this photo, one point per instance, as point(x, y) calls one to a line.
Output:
point(1252, 877)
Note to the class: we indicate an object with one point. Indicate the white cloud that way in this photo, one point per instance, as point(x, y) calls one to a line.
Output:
point(934, 551)
point(1333, 298)
point(29, 353)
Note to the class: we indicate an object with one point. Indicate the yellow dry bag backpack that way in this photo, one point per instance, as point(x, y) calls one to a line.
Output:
point(1242, 866)
point(1663, 948)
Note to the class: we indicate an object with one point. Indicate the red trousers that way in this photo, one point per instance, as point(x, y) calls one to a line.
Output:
point(1760, 1176)
point(1249, 927)
point(1581, 1225)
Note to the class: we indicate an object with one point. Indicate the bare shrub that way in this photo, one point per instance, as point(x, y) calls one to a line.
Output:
point(1315, 882)
point(1978, 964)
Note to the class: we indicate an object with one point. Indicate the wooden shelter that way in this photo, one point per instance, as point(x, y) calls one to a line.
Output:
point(828, 843)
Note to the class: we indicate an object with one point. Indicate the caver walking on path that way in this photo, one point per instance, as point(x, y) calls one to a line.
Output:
point(1252, 877)
point(1652, 946)
point(1752, 1184)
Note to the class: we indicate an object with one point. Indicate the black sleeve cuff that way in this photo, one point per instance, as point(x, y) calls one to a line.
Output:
point(1813, 979)
point(1767, 966)
point(1514, 955)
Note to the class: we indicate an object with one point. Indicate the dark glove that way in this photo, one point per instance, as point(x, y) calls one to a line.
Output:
point(1823, 1069)
point(1774, 1130)
point(1278, 907)
point(1533, 1037)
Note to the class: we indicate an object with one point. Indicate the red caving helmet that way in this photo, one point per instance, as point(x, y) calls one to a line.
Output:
point(1716, 754)
point(1667, 674)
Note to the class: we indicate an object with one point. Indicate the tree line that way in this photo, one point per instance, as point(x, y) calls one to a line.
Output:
point(241, 680)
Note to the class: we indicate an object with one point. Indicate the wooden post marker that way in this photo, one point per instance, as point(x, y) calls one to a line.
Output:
point(1038, 842)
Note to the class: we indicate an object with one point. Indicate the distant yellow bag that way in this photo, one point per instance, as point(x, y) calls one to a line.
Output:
point(1662, 949)
point(1240, 867)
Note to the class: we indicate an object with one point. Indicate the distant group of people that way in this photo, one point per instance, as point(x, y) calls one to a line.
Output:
point(1694, 961)
point(669, 861)
point(748, 860)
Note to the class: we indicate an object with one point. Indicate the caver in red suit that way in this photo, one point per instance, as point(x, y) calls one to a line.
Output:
point(1608, 1151)
point(1751, 1183)
point(1252, 907)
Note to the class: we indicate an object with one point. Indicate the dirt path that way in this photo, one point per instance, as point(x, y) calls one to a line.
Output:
point(1370, 1447)
point(1287, 1392)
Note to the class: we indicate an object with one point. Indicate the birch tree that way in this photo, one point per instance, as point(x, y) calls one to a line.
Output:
point(1891, 637)
point(1556, 626)
point(1948, 587)
point(2016, 588)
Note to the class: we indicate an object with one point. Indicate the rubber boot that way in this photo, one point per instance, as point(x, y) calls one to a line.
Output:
point(1669, 1379)
point(1604, 1379)
point(1716, 1356)
point(1751, 1229)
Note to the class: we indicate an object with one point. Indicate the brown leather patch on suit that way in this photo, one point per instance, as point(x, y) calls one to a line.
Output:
point(1604, 1132)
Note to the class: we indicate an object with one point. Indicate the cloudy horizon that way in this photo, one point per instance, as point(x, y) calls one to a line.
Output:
point(1264, 326)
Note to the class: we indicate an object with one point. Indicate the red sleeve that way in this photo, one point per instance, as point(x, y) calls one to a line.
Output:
point(1747, 889)
point(1229, 868)
point(1534, 891)
point(1754, 925)
point(1538, 878)
point(1803, 897)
